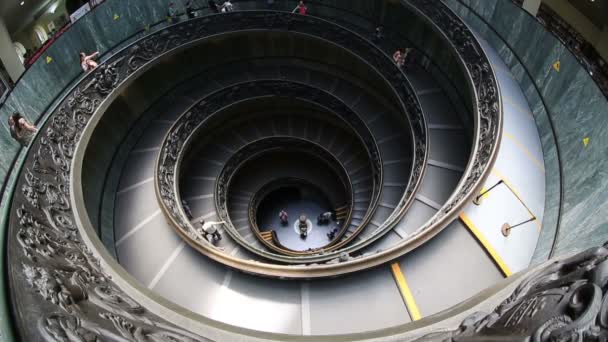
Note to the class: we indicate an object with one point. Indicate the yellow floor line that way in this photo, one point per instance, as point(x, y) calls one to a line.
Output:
point(538, 163)
point(497, 259)
point(502, 177)
point(406, 293)
point(485, 194)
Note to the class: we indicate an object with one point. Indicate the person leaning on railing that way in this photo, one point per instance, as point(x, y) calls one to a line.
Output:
point(190, 9)
point(400, 56)
point(21, 130)
point(301, 8)
point(88, 62)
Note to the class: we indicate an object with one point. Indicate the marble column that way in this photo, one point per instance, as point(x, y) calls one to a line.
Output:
point(531, 6)
point(8, 54)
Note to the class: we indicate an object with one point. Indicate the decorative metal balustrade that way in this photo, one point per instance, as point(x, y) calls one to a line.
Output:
point(487, 107)
point(54, 271)
point(382, 64)
point(564, 300)
point(187, 127)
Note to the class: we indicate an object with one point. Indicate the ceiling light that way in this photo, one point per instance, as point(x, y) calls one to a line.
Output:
point(22, 3)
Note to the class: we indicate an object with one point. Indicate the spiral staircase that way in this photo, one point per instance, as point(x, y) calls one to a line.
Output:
point(223, 121)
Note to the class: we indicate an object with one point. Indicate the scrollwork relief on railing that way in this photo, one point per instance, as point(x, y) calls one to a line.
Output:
point(51, 269)
point(486, 102)
point(564, 301)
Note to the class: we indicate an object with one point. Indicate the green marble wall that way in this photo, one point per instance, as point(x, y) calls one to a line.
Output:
point(44, 82)
point(575, 105)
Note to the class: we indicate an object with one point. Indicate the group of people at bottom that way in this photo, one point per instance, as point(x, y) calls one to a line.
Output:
point(323, 219)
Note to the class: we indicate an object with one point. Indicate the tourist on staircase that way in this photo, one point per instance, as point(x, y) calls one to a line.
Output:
point(301, 8)
point(284, 217)
point(88, 62)
point(227, 7)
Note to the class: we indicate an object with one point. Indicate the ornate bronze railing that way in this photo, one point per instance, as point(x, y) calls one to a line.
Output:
point(382, 64)
point(190, 124)
point(487, 106)
point(563, 300)
point(58, 269)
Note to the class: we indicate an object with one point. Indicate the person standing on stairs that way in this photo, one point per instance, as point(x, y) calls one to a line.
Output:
point(227, 7)
point(324, 218)
point(284, 217)
point(398, 58)
point(172, 12)
point(87, 63)
point(210, 231)
point(301, 8)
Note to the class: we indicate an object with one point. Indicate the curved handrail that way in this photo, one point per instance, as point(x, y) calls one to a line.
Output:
point(487, 103)
point(180, 136)
point(487, 134)
point(408, 98)
point(554, 134)
point(84, 103)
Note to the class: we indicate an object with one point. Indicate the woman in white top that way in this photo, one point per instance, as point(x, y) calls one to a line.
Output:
point(227, 7)
point(21, 129)
point(87, 62)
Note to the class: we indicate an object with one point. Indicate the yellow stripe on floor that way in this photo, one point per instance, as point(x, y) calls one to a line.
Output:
point(540, 164)
point(497, 259)
point(484, 192)
point(406, 293)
